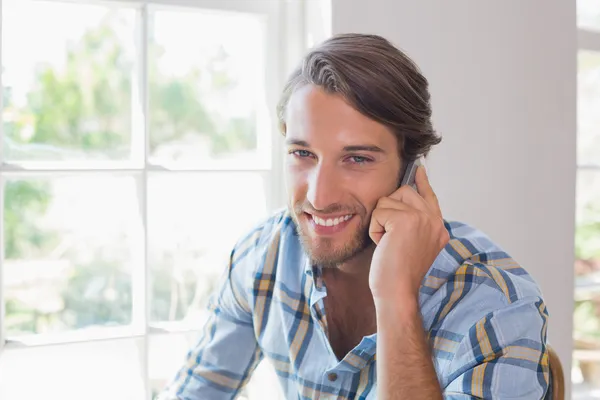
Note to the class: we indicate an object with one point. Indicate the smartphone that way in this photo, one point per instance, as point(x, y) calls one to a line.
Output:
point(409, 174)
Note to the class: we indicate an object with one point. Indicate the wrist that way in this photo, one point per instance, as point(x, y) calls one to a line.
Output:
point(401, 309)
point(395, 294)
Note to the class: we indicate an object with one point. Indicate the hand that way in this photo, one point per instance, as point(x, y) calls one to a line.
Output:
point(409, 231)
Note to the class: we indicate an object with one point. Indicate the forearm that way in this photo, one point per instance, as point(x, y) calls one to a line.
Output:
point(404, 365)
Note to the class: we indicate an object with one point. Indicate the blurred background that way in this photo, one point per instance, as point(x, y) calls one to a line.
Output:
point(139, 141)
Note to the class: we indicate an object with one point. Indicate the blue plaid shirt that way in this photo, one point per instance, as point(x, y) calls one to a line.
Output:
point(483, 314)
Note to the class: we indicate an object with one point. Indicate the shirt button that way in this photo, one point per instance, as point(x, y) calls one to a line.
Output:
point(332, 376)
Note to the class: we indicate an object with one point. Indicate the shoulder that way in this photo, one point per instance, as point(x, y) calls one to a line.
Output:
point(473, 278)
point(266, 236)
point(480, 304)
point(255, 260)
point(472, 258)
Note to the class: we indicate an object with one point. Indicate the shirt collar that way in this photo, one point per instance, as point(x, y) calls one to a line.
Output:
point(314, 271)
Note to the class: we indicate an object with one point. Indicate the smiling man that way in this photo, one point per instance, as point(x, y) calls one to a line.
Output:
point(360, 288)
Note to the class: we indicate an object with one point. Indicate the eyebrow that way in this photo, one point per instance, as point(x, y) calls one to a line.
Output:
point(370, 148)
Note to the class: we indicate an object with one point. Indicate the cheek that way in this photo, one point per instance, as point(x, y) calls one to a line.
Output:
point(295, 182)
point(368, 189)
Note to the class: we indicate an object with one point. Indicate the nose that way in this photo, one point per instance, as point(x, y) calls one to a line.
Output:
point(324, 187)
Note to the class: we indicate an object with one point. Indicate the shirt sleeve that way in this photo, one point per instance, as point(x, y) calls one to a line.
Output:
point(503, 355)
point(220, 364)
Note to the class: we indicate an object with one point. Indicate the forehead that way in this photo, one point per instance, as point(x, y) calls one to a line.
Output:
point(321, 118)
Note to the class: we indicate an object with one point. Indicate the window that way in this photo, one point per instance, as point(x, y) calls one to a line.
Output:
point(137, 145)
point(586, 360)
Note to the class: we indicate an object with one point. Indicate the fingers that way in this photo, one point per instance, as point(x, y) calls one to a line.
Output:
point(381, 219)
point(409, 196)
point(404, 200)
point(391, 213)
point(394, 204)
point(426, 191)
point(424, 200)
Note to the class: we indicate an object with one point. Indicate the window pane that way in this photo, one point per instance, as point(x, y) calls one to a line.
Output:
point(207, 88)
point(194, 220)
point(587, 246)
point(167, 356)
point(67, 76)
point(69, 249)
point(586, 367)
point(92, 371)
point(586, 375)
point(588, 14)
point(588, 119)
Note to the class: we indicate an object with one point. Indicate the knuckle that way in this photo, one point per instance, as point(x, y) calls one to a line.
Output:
point(376, 213)
point(385, 202)
point(403, 191)
point(444, 237)
point(408, 190)
point(414, 218)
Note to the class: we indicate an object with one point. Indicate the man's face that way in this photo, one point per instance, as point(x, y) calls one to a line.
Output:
point(339, 163)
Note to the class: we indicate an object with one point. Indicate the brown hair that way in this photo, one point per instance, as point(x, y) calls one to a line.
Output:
point(378, 80)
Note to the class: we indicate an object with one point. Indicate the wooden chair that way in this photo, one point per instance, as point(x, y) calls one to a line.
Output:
point(557, 376)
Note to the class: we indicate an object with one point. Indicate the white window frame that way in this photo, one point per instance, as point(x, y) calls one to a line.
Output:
point(286, 36)
point(588, 40)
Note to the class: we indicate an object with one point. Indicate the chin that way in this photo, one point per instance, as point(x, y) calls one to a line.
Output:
point(328, 252)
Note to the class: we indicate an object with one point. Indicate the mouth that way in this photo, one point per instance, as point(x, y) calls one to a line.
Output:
point(329, 225)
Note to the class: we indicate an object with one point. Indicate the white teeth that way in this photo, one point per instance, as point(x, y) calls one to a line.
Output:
point(331, 221)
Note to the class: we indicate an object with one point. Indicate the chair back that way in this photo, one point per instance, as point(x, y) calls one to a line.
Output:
point(557, 376)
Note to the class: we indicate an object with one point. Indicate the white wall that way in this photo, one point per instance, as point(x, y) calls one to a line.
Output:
point(503, 82)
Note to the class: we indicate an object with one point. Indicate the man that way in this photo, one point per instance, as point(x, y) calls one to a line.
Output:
point(361, 289)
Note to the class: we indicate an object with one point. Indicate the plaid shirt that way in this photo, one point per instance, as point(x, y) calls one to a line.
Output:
point(483, 314)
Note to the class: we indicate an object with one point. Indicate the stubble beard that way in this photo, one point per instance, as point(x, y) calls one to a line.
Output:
point(323, 251)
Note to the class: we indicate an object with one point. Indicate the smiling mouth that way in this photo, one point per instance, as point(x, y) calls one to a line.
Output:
point(328, 226)
point(330, 221)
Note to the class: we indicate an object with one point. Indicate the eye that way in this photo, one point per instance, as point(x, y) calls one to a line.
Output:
point(301, 153)
point(359, 159)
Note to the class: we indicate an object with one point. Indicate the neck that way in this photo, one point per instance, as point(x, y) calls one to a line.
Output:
point(354, 272)
point(349, 298)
